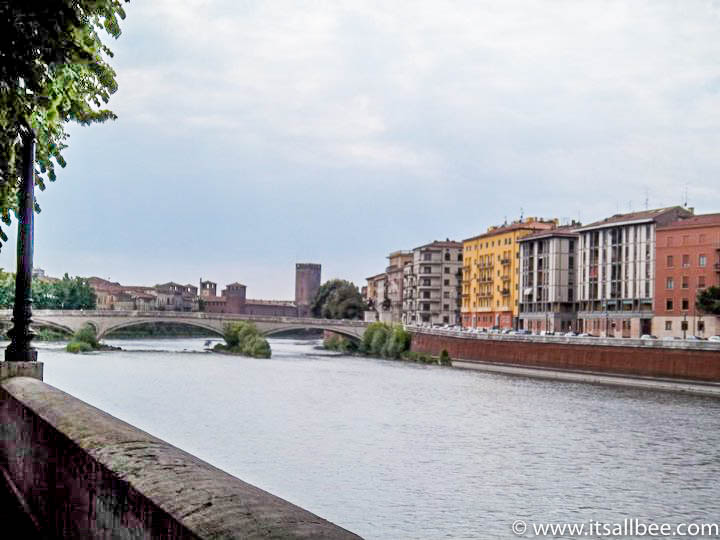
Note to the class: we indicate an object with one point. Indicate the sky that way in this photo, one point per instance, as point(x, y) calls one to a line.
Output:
point(253, 135)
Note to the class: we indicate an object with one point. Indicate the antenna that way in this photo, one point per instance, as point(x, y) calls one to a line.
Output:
point(647, 199)
point(521, 214)
point(685, 196)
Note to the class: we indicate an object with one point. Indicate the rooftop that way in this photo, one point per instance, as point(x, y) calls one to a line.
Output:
point(633, 217)
point(439, 244)
point(702, 220)
point(520, 225)
point(568, 231)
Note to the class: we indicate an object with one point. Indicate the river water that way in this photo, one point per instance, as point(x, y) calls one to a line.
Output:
point(396, 450)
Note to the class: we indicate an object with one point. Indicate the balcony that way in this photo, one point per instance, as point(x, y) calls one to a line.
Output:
point(505, 292)
point(505, 261)
point(717, 267)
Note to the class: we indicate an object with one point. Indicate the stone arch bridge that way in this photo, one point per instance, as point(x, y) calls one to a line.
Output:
point(106, 321)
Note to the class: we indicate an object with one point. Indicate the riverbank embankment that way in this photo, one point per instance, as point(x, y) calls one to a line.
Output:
point(630, 362)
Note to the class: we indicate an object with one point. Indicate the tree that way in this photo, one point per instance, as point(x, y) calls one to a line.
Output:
point(53, 69)
point(338, 299)
point(708, 301)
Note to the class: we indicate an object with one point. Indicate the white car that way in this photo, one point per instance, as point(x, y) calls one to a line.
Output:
point(648, 336)
point(714, 338)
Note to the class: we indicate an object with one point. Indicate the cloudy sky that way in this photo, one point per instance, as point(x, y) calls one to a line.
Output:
point(255, 134)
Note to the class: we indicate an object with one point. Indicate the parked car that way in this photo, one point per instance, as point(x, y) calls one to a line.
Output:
point(586, 334)
point(524, 332)
point(570, 334)
point(648, 336)
point(669, 338)
point(714, 338)
point(694, 338)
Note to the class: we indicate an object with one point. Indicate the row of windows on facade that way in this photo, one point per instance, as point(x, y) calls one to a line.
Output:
point(429, 270)
point(670, 261)
point(685, 326)
point(685, 303)
point(489, 243)
point(685, 282)
point(615, 235)
point(686, 240)
point(447, 257)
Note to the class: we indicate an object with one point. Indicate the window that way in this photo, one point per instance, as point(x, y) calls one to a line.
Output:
point(685, 240)
point(701, 240)
point(460, 258)
point(426, 294)
point(669, 283)
point(426, 282)
point(701, 326)
point(670, 261)
point(446, 282)
point(668, 325)
point(686, 261)
point(427, 256)
point(669, 241)
point(685, 304)
point(702, 261)
point(446, 319)
point(447, 255)
point(685, 282)
point(701, 282)
point(668, 305)
point(446, 307)
point(447, 269)
point(446, 294)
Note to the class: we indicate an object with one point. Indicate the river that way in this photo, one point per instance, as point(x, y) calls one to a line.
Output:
point(396, 450)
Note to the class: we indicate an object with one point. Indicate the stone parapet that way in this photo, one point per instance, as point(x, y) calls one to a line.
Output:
point(86, 474)
point(21, 369)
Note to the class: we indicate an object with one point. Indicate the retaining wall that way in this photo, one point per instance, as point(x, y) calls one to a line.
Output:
point(653, 359)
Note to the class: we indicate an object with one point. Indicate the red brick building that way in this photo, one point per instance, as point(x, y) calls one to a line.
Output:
point(687, 260)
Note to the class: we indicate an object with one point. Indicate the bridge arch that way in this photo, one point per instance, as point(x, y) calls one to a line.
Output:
point(272, 331)
point(54, 325)
point(205, 325)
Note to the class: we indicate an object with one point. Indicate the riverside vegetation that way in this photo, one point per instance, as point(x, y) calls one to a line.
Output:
point(386, 341)
point(85, 340)
point(245, 339)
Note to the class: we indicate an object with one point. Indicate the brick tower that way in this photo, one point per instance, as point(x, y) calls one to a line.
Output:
point(307, 284)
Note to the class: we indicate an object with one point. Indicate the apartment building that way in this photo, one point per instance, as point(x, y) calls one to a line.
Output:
point(431, 284)
point(688, 261)
point(491, 273)
point(547, 281)
point(616, 272)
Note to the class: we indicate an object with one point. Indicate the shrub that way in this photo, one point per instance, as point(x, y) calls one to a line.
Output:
point(78, 347)
point(445, 358)
point(87, 334)
point(382, 339)
point(244, 338)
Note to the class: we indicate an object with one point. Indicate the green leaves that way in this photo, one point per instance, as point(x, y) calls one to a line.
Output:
point(53, 70)
point(338, 299)
point(708, 300)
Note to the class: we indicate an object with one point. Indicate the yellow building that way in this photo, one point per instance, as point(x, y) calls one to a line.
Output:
point(490, 274)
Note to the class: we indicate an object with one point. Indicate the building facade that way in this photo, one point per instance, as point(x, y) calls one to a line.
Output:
point(547, 281)
point(431, 284)
point(616, 272)
point(490, 274)
point(688, 261)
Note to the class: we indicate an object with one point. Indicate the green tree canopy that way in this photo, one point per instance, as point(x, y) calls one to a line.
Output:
point(66, 293)
point(338, 299)
point(53, 69)
point(708, 300)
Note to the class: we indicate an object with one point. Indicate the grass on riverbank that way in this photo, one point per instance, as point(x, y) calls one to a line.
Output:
point(385, 341)
point(243, 338)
